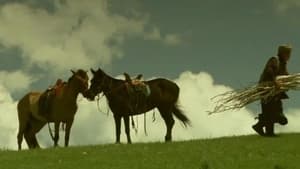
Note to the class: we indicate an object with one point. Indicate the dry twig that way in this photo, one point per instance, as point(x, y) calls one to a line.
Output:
point(237, 99)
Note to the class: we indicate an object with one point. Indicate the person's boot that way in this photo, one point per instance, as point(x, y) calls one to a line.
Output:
point(270, 130)
point(258, 128)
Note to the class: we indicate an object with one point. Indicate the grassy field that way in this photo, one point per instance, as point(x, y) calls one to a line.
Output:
point(246, 152)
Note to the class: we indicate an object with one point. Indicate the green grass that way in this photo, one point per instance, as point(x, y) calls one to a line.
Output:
point(245, 152)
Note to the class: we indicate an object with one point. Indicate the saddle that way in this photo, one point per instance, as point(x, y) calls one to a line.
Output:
point(46, 99)
point(138, 91)
point(136, 85)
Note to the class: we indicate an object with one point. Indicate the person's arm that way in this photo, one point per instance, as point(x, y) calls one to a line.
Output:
point(271, 69)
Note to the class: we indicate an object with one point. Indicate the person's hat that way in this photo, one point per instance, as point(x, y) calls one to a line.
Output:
point(284, 49)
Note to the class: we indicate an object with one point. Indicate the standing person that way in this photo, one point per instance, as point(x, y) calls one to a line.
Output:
point(272, 111)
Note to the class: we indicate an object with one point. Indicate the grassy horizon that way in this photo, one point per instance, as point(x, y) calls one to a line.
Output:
point(242, 152)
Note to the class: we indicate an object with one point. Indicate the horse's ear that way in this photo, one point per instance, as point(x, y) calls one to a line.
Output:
point(73, 71)
point(127, 77)
point(93, 71)
point(100, 70)
point(139, 77)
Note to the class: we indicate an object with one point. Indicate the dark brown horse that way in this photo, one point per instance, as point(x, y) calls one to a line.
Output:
point(164, 95)
point(62, 110)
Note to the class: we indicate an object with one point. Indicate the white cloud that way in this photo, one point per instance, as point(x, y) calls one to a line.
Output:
point(168, 39)
point(8, 120)
point(94, 127)
point(172, 39)
point(76, 34)
point(153, 35)
point(15, 81)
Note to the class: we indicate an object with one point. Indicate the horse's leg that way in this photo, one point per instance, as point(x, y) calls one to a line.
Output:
point(31, 141)
point(35, 142)
point(22, 127)
point(26, 134)
point(67, 131)
point(56, 135)
point(28, 140)
point(127, 128)
point(118, 127)
point(35, 127)
point(20, 139)
point(166, 114)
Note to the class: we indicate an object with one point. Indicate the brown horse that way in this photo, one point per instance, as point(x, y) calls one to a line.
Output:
point(164, 95)
point(62, 110)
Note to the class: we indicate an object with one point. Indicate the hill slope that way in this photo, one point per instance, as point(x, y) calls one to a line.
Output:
point(246, 152)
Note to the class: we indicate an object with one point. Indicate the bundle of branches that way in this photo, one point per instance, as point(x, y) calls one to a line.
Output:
point(237, 99)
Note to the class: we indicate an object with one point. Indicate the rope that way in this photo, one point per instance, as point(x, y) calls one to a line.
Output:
point(153, 116)
point(137, 122)
point(63, 126)
point(50, 131)
point(133, 125)
point(145, 123)
point(98, 105)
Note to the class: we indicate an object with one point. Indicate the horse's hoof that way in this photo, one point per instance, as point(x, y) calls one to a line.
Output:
point(168, 139)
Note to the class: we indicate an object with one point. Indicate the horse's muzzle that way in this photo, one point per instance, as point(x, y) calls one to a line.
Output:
point(88, 95)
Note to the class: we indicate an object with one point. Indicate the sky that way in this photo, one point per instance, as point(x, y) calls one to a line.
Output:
point(207, 47)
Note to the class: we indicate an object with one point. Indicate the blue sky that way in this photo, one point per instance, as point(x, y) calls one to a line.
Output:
point(224, 38)
point(231, 40)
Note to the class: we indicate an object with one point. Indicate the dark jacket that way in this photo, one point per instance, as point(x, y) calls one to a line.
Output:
point(273, 68)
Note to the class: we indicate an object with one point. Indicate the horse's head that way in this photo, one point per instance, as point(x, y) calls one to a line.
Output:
point(98, 83)
point(81, 81)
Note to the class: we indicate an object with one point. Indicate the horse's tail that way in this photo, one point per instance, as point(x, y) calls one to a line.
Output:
point(181, 116)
